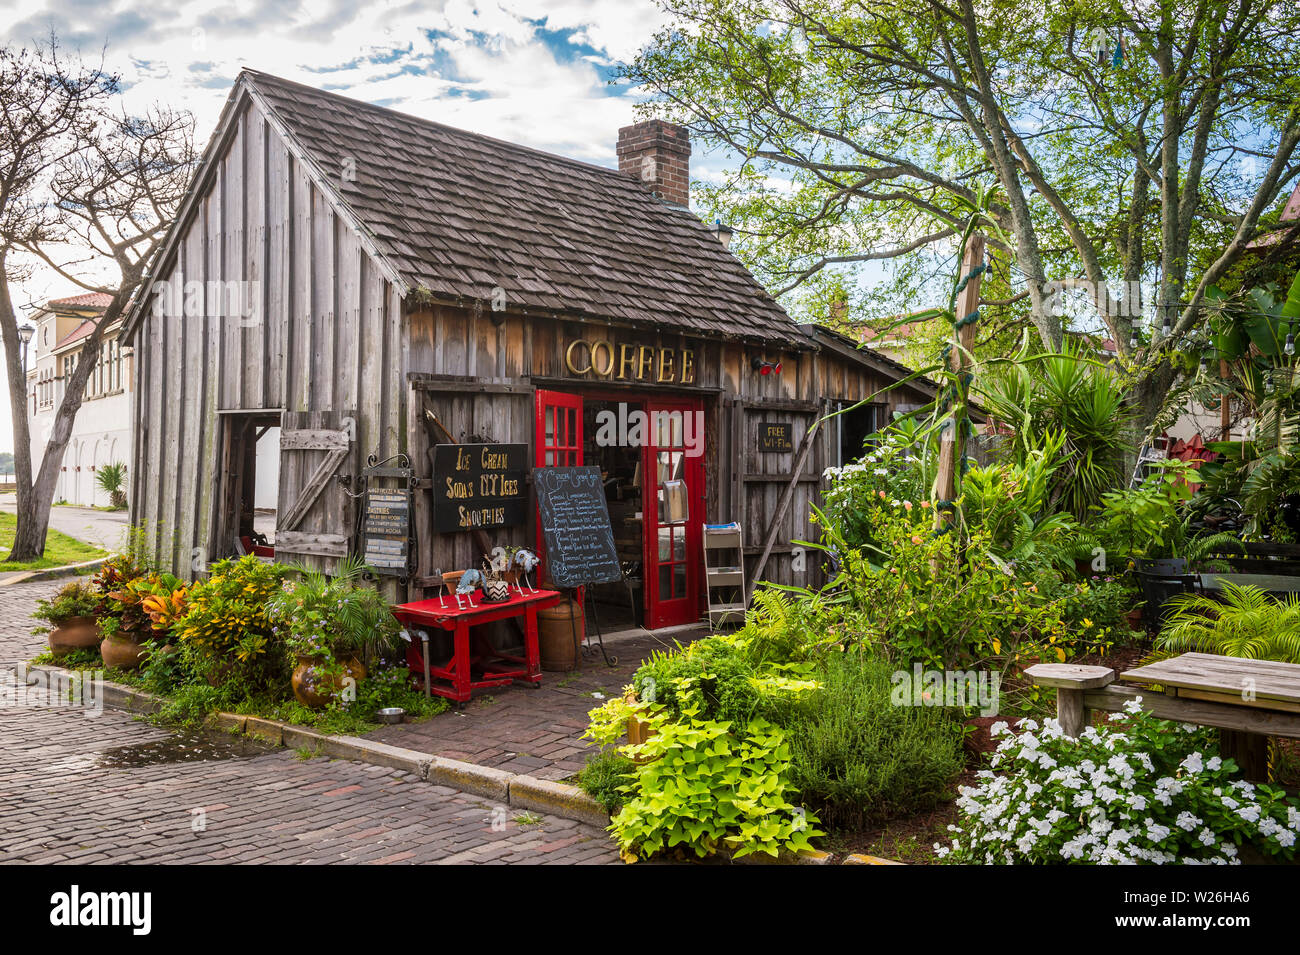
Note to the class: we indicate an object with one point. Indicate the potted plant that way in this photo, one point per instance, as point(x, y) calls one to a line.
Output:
point(127, 623)
point(496, 585)
point(69, 618)
point(332, 625)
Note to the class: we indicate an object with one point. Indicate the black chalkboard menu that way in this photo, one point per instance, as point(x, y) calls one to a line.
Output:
point(575, 522)
point(479, 485)
point(386, 531)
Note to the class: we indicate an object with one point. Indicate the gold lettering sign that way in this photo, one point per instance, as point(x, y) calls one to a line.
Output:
point(601, 358)
point(569, 361)
point(626, 358)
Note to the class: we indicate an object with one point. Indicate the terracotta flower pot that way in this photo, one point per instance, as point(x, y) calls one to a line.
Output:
point(121, 652)
point(75, 633)
point(315, 688)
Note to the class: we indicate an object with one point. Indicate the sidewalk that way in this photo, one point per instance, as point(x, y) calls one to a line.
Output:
point(106, 529)
point(108, 788)
point(537, 731)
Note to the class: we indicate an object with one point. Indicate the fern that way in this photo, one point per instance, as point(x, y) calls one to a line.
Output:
point(1246, 622)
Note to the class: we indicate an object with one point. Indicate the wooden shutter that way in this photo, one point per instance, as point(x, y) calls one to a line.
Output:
point(316, 517)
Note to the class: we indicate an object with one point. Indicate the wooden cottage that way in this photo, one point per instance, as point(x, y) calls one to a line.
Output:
point(405, 302)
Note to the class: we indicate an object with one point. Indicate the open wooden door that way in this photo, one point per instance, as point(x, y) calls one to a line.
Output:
point(558, 444)
point(315, 517)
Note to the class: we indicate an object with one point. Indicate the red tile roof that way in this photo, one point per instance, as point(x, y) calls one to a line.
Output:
point(99, 300)
point(77, 334)
point(1290, 213)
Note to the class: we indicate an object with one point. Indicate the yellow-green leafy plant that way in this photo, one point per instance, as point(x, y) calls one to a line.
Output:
point(226, 632)
point(704, 786)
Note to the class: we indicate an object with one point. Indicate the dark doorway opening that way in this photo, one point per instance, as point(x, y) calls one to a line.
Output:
point(620, 468)
point(238, 527)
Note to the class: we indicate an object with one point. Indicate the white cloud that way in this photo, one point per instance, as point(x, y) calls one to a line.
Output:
point(528, 71)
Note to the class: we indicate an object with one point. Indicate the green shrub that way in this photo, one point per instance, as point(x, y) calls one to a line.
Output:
point(1095, 611)
point(856, 758)
point(225, 634)
point(722, 677)
point(1244, 622)
point(604, 777)
point(943, 603)
point(326, 618)
point(704, 786)
point(74, 599)
point(382, 688)
point(1068, 394)
point(191, 703)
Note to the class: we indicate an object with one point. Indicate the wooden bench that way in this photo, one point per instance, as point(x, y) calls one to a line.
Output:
point(1200, 688)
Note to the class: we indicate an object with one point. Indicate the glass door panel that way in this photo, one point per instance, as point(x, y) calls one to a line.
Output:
point(558, 440)
point(674, 523)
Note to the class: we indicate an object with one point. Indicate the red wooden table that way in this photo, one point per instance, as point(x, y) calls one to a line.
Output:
point(469, 654)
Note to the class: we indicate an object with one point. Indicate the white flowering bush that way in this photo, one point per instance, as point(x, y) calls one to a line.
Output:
point(1148, 792)
point(889, 469)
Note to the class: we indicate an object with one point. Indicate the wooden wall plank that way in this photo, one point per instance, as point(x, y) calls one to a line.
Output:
point(254, 329)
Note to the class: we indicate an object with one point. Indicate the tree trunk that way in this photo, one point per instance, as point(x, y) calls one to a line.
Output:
point(34, 508)
point(25, 546)
point(1148, 396)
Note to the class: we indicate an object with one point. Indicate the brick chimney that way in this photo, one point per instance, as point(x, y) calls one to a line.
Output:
point(658, 154)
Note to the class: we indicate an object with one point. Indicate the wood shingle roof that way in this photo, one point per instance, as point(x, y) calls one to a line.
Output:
point(459, 214)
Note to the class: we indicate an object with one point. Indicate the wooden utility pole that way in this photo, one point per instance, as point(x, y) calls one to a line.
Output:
point(951, 444)
point(1225, 414)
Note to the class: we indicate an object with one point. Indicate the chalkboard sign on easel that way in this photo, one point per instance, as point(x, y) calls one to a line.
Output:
point(575, 523)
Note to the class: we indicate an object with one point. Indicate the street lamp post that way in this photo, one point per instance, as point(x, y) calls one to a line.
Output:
point(25, 332)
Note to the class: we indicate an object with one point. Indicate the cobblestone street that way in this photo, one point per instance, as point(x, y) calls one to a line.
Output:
point(69, 792)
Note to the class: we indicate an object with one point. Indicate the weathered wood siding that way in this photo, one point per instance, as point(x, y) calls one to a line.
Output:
point(479, 373)
point(320, 330)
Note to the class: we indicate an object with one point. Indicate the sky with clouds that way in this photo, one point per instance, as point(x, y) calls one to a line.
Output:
point(535, 72)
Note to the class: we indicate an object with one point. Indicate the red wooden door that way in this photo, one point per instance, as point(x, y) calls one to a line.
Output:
point(558, 442)
point(673, 511)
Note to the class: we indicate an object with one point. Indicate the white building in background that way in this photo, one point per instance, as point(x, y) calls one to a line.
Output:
point(101, 433)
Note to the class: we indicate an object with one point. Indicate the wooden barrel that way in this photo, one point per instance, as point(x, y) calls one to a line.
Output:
point(559, 631)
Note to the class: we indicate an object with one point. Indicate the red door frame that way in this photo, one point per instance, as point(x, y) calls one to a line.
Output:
point(684, 606)
point(564, 444)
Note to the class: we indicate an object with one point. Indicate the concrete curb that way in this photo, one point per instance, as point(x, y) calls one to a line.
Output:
point(558, 799)
point(517, 790)
point(473, 778)
point(53, 573)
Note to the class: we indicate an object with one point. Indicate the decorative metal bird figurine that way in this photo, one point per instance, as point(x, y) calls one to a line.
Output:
point(526, 561)
point(442, 587)
point(470, 581)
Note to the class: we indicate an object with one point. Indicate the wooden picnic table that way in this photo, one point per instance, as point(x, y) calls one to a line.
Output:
point(1248, 700)
point(1232, 681)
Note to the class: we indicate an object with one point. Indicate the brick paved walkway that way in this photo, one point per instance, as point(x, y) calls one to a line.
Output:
point(59, 801)
point(533, 731)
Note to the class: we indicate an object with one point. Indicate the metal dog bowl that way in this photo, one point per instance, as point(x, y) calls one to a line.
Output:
point(391, 714)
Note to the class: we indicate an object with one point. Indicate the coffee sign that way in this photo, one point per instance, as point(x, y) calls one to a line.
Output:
point(479, 485)
point(652, 364)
